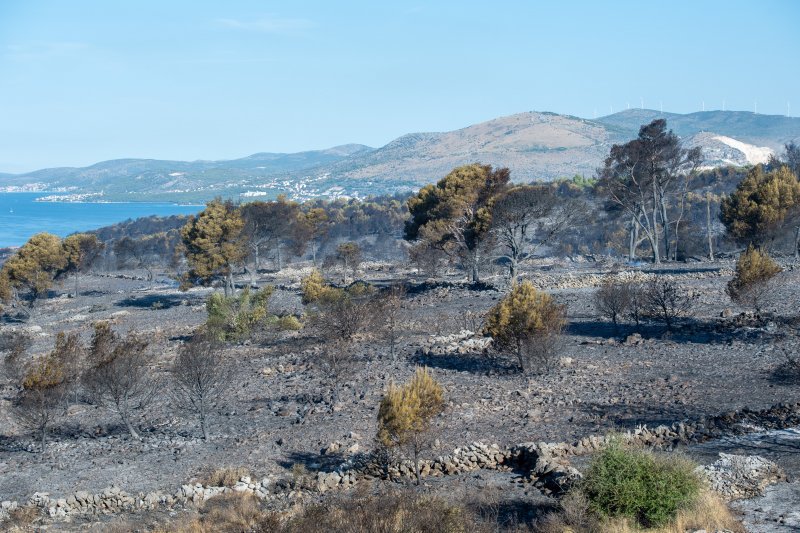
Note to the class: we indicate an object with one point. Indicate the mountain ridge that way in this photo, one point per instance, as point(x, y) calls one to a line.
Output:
point(534, 145)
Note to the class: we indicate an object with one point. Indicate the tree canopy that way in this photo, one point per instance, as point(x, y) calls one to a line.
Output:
point(34, 267)
point(455, 214)
point(213, 243)
point(757, 210)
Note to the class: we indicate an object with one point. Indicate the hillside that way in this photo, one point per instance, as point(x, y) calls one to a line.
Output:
point(534, 145)
point(772, 131)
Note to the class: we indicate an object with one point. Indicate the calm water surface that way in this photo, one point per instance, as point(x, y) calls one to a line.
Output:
point(21, 216)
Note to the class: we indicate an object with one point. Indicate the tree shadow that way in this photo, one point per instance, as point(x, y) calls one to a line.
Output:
point(686, 330)
point(313, 462)
point(630, 415)
point(786, 374)
point(152, 301)
point(511, 513)
point(92, 293)
point(473, 363)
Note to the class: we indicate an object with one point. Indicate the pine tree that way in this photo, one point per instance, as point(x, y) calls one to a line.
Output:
point(755, 213)
point(81, 250)
point(752, 284)
point(406, 413)
point(214, 244)
point(34, 267)
point(528, 322)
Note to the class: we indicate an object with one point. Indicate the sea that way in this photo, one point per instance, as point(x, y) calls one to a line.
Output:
point(21, 216)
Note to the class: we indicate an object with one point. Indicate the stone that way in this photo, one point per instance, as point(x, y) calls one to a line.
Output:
point(739, 476)
point(633, 340)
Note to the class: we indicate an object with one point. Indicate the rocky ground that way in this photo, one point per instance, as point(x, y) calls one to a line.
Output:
point(280, 414)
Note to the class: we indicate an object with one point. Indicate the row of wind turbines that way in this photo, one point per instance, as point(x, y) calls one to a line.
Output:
point(702, 107)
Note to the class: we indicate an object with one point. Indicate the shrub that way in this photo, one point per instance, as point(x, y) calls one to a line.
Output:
point(527, 321)
point(637, 303)
point(289, 323)
point(648, 488)
point(406, 413)
point(666, 300)
point(41, 401)
point(233, 318)
point(226, 476)
point(753, 282)
point(118, 377)
point(14, 343)
point(613, 299)
point(396, 512)
point(314, 287)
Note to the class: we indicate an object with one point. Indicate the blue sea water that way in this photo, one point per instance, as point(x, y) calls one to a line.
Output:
point(21, 216)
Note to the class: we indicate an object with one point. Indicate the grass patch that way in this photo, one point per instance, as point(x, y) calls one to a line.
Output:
point(226, 476)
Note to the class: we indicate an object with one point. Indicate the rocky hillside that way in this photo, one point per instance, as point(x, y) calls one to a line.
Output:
point(719, 150)
point(535, 146)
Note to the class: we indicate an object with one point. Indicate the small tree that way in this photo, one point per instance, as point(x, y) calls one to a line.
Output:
point(71, 356)
point(528, 217)
point(637, 306)
point(214, 244)
point(667, 300)
point(200, 378)
point(14, 344)
point(81, 250)
point(343, 314)
point(753, 284)
point(527, 321)
point(315, 224)
point(34, 267)
point(119, 378)
point(389, 310)
point(406, 413)
point(41, 400)
point(613, 299)
point(349, 254)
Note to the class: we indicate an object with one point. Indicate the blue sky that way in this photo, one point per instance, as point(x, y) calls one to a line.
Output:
point(85, 81)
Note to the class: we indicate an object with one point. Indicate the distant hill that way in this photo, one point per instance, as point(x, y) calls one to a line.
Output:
point(534, 145)
point(772, 131)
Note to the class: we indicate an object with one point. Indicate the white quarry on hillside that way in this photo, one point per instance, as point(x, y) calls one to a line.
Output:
point(720, 150)
point(754, 154)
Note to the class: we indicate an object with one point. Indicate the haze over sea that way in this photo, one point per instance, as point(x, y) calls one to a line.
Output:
point(21, 216)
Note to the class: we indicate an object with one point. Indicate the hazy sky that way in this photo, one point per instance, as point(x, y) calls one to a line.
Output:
point(84, 81)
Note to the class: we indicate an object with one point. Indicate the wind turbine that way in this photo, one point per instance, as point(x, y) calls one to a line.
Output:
point(723, 104)
point(641, 100)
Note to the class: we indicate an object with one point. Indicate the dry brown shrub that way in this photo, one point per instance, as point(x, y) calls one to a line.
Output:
point(226, 476)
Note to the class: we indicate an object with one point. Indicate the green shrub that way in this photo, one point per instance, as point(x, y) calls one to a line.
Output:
point(314, 287)
point(234, 318)
point(639, 485)
point(289, 323)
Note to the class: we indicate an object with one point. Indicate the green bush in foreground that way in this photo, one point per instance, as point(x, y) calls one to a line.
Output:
point(233, 318)
point(642, 486)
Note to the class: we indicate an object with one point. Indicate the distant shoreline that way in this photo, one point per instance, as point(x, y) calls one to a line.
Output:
point(63, 201)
